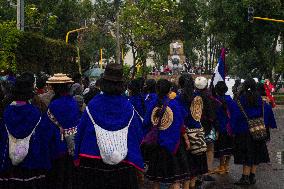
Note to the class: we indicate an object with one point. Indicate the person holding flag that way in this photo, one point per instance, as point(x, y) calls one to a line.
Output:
point(219, 73)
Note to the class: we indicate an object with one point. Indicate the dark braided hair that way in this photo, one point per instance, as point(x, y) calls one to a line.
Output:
point(136, 88)
point(221, 89)
point(163, 88)
point(186, 83)
point(150, 86)
point(250, 92)
point(59, 90)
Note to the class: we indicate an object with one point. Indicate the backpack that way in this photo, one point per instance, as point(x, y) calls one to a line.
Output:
point(19, 148)
point(112, 144)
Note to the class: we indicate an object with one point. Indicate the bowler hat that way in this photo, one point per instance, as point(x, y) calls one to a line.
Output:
point(113, 72)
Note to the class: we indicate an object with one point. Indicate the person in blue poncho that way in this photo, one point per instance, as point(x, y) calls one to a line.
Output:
point(25, 142)
point(163, 147)
point(150, 91)
point(208, 120)
point(192, 107)
point(249, 146)
point(109, 136)
point(63, 117)
point(136, 96)
point(224, 143)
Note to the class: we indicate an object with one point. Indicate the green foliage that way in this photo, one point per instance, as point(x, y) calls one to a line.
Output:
point(25, 51)
point(52, 56)
point(126, 71)
point(149, 24)
point(9, 39)
point(142, 71)
point(252, 45)
point(7, 11)
point(94, 40)
point(146, 25)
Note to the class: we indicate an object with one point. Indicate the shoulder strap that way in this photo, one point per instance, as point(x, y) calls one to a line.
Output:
point(242, 109)
point(90, 116)
point(94, 123)
point(148, 95)
point(131, 118)
point(29, 134)
point(54, 121)
point(138, 114)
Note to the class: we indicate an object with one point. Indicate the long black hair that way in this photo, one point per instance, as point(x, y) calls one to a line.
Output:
point(221, 89)
point(163, 88)
point(150, 86)
point(24, 87)
point(136, 88)
point(60, 89)
point(186, 84)
point(250, 92)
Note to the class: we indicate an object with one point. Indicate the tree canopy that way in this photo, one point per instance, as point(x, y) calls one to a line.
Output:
point(205, 26)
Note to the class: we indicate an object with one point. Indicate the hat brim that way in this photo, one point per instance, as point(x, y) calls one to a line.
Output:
point(111, 78)
point(59, 82)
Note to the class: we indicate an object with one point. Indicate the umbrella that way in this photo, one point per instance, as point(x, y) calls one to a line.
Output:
point(94, 72)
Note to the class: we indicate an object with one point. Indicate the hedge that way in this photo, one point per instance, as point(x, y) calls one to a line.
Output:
point(36, 53)
point(24, 51)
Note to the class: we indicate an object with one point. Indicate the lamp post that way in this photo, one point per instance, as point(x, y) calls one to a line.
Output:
point(117, 33)
point(20, 15)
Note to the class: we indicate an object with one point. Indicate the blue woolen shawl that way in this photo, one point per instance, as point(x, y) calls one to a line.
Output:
point(149, 98)
point(20, 121)
point(67, 113)
point(224, 116)
point(112, 113)
point(188, 120)
point(239, 122)
point(137, 101)
point(169, 138)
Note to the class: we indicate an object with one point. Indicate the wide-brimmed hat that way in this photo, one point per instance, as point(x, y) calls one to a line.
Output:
point(113, 72)
point(201, 83)
point(59, 78)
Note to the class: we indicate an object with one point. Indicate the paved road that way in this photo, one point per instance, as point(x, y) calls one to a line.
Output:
point(269, 176)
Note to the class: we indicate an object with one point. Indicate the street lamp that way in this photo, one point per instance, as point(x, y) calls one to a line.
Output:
point(20, 15)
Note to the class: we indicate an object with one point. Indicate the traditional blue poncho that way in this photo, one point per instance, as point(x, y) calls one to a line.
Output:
point(239, 122)
point(169, 138)
point(224, 116)
point(138, 101)
point(111, 113)
point(188, 120)
point(20, 121)
point(66, 112)
point(149, 98)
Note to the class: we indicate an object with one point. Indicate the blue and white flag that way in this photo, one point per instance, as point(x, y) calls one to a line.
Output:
point(219, 73)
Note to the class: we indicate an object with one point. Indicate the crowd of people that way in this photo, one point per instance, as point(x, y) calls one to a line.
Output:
point(64, 133)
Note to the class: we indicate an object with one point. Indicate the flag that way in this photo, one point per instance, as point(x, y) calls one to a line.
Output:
point(219, 73)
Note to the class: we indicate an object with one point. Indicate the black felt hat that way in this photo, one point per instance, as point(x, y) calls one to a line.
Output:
point(113, 72)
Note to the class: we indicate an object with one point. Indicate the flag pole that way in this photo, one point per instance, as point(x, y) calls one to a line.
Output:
point(101, 59)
